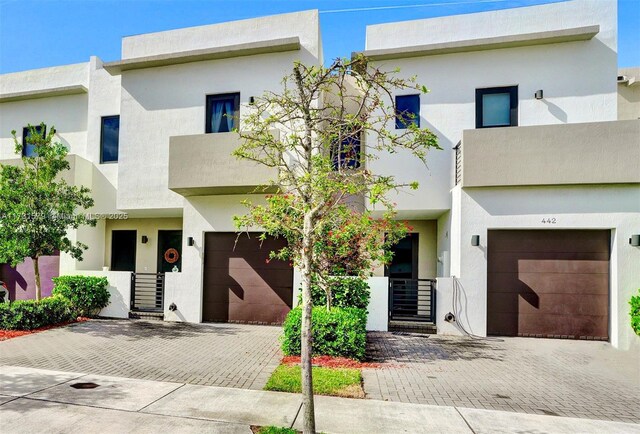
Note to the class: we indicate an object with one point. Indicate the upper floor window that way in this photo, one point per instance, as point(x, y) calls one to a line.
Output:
point(347, 155)
point(109, 139)
point(29, 149)
point(223, 112)
point(497, 107)
point(407, 111)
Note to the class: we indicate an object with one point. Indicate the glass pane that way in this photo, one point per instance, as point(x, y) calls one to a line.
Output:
point(496, 109)
point(223, 119)
point(110, 138)
point(408, 107)
point(29, 149)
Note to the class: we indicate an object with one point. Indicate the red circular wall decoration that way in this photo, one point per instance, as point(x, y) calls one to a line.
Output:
point(171, 256)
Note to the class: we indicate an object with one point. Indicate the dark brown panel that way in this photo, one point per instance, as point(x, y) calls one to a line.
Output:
point(548, 283)
point(241, 284)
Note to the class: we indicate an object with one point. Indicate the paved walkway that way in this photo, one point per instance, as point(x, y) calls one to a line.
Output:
point(37, 401)
point(539, 376)
point(229, 355)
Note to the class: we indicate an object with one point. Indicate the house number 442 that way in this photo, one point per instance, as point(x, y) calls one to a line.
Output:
point(549, 220)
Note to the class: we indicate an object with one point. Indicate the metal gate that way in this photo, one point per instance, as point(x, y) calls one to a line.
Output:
point(412, 300)
point(147, 292)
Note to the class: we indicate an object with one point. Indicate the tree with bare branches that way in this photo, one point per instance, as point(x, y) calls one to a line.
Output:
point(320, 132)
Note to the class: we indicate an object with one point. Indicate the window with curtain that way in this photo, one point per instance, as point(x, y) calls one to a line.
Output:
point(347, 155)
point(497, 107)
point(29, 149)
point(407, 111)
point(222, 113)
point(109, 139)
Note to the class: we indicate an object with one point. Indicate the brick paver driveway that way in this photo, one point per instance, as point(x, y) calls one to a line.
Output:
point(544, 376)
point(231, 355)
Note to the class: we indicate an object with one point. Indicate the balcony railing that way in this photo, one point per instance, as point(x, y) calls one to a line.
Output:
point(203, 164)
point(561, 154)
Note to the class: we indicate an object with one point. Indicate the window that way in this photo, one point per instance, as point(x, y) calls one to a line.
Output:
point(497, 107)
point(347, 155)
point(109, 139)
point(29, 149)
point(407, 111)
point(222, 113)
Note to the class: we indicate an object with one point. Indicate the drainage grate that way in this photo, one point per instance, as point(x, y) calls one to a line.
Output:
point(85, 385)
point(502, 396)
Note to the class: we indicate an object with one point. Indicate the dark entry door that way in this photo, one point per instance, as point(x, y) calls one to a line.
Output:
point(548, 283)
point(241, 284)
point(169, 251)
point(403, 275)
point(123, 250)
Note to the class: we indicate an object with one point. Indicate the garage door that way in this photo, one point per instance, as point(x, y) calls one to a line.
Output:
point(548, 283)
point(240, 284)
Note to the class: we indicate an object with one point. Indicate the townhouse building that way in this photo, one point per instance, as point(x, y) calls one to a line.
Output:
point(524, 224)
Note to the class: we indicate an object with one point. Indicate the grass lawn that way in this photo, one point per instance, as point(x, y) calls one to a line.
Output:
point(326, 381)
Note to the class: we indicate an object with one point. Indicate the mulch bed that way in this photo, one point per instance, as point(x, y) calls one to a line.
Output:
point(10, 334)
point(331, 362)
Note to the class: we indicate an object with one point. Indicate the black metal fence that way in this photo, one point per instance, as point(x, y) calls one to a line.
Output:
point(412, 300)
point(147, 292)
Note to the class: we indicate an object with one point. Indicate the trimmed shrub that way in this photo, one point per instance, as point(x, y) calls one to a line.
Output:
point(635, 313)
point(32, 314)
point(345, 292)
point(339, 332)
point(88, 294)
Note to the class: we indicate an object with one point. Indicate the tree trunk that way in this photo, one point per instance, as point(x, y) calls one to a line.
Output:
point(36, 272)
point(309, 417)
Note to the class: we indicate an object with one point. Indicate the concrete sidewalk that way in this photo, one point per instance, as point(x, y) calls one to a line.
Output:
point(41, 401)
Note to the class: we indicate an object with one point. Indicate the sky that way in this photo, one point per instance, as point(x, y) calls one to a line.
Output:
point(41, 33)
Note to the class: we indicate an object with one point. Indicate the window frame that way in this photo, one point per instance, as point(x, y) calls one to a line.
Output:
point(342, 162)
point(219, 96)
point(415, 121)
point(102, 118)
point(513, 105)
point(25, 132)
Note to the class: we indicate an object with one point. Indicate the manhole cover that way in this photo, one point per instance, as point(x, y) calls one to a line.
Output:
point(84, 385)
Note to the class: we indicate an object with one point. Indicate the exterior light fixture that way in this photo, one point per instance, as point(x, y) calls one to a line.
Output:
point(635, 240)
point(190, 241)
point(145, 239)
point(539, 94)
point(252, 100)
point(475, 240)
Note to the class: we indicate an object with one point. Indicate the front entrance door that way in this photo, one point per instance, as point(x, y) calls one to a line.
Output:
point(403, 277)
point(404, 264)
point(169, 251)
point(123, 250)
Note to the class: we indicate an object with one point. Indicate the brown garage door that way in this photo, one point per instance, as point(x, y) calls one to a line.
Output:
point(548, 283)
point(240, 285)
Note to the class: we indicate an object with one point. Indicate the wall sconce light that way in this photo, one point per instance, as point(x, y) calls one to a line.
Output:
point(475, 240)
point(539, 94)
point(145, 239)
point(252, 100)
point(635, 240)
point(190, 241)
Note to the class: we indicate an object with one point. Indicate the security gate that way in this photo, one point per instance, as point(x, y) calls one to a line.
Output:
point(412, 300)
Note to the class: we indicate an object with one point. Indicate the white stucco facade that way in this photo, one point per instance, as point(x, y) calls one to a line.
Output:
point(159, 90)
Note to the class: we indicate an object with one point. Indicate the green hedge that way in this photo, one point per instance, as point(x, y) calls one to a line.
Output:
point(88, 294)
point(339, 332)
point(345, 292)
point(635, 313)
point(32, 314)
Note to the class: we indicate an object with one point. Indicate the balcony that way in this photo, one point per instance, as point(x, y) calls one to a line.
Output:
point(203, 164)
point(565, 154)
